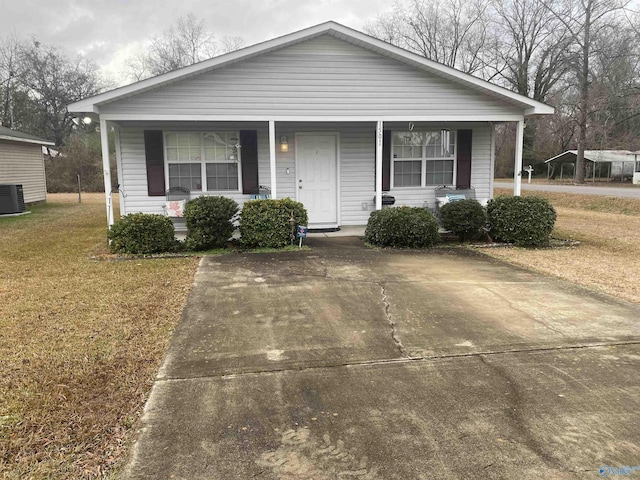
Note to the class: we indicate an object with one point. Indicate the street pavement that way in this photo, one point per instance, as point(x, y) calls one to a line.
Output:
point(344, 362)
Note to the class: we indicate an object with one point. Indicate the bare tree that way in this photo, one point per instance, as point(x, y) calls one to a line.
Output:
point(614, 93)
point(584, 21)
point(52, 82)
point(184, 44)
point(231, 43)
point(530, 52)
point(453, 33)
point(533, 53)
point(9, 58)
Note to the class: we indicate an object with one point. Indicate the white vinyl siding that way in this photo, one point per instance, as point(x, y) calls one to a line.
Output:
point(320, 77)
point(23, 163)
point(356, 153)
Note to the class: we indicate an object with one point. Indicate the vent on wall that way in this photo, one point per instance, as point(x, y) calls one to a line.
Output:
point(11, 199)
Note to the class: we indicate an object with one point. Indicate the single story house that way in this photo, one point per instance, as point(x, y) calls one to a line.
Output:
point(603, 164)
point(327, 116)
point(22, 163)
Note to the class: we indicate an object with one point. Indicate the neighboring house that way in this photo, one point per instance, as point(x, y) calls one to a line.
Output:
point(22, 162)
point(328, 116)
point(601, 164)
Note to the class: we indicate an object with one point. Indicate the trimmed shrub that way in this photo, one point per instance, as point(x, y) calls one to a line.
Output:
point(524, 221)
point(410, 227)
point(265, 223)
point(464, 218)
point(209, 221)
point(142, 233)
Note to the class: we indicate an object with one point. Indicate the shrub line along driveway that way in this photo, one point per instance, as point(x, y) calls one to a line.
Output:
point(345, 362)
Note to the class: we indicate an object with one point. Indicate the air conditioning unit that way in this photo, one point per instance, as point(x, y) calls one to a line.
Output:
point(11, 199)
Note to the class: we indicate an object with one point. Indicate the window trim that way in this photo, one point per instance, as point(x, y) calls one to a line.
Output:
point(423, 159)
point(203, 162)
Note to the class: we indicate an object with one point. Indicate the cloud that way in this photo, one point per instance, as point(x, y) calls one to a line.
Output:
point(110, 31)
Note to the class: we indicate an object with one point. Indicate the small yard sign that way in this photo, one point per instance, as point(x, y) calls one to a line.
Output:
point(302, 233)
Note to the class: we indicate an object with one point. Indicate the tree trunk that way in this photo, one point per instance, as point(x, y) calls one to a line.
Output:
point(584, 96)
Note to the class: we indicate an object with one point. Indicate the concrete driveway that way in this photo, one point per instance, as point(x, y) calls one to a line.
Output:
point(349, 363)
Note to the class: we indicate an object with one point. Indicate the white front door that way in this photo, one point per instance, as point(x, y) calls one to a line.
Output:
point(316, 179)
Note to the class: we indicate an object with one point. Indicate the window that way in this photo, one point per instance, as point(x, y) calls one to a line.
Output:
point(222, 176)
point(187, 175)
point(221, 158)
point(190, 154)
point(423, 158)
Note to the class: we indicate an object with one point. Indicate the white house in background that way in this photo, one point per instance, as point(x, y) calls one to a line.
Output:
point(22, 163)
point(327, 116)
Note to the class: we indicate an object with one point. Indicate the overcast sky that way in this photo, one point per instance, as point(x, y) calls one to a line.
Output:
point(110, 31)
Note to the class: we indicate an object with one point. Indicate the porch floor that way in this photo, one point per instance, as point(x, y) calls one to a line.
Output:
point(350, 231)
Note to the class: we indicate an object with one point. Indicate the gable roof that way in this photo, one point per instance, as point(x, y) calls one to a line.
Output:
point(595, 156)
point(16, 136)
point(530, 106)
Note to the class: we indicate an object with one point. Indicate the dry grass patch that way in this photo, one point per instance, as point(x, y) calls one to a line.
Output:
point(80, 340)
point(608, 258)
point(569, 181)
point(596, 203)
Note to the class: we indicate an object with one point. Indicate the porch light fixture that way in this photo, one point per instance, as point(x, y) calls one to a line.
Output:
point(84, 120)
point(284, 144)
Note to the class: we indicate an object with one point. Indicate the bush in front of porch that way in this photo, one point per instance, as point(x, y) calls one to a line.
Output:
point(209, 221)
point(523, 221)
point(266, 223)
point(408, 227)
point(142, 234)
point(465, 218)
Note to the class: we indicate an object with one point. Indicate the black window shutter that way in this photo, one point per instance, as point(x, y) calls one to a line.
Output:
point(249, 160)
point(386, 160)
point(154, 155)
point(463, 179)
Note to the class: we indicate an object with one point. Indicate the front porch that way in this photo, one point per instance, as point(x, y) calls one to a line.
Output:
point(339, 170)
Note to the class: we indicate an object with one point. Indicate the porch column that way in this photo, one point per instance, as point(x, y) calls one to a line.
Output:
point(517, 176)
point(379, 136)
point(106, 167)
point(493, 158)
point(272, 157)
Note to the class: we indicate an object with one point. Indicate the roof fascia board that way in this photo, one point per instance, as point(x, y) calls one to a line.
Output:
point(298, 118)
point(574, 152)
point(557, 156)
point(27, 140)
